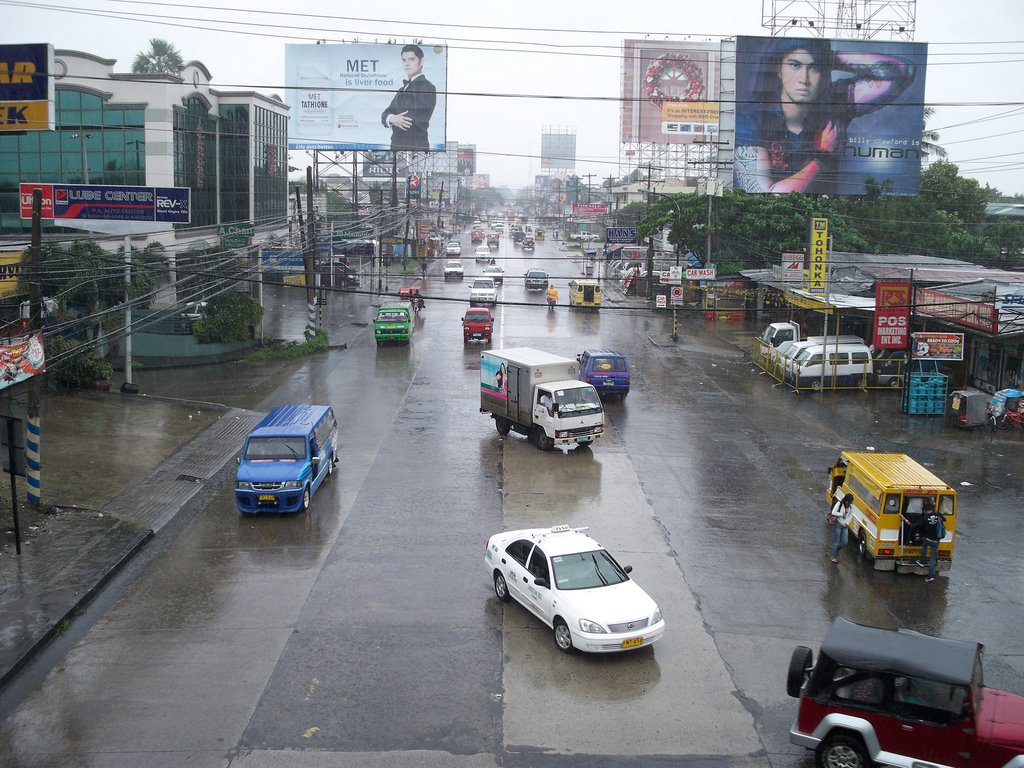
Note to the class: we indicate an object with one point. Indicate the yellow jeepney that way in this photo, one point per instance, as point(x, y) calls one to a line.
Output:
point(585, 294)
point(888, 491)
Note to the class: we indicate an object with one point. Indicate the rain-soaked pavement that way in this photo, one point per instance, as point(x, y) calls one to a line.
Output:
point(366, 633)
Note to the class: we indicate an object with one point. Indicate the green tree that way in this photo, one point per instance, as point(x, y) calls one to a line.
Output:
point(162, 58)
point(929, 139)
point(944, 187)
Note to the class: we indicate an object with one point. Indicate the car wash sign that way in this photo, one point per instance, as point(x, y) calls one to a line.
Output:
point(169, 205)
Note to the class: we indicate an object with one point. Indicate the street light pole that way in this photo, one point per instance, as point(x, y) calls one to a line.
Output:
point(82, 136)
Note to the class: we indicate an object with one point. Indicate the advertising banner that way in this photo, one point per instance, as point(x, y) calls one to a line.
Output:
point(589, 208)
point(824, 116)
point(377, 165)
point(467, 159)
point(27, 88)
point(892, 315)
point(937, 346)
point(11, 266)
point(817, 269)
point(670, 91)
point(22, 360)
point(792, 267)
point(109, 203)
point(557, 151)
point(620, 235)
point(363, 96)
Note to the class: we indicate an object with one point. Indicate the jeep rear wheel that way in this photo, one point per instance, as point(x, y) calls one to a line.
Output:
point(800, 664)
point(842, 751)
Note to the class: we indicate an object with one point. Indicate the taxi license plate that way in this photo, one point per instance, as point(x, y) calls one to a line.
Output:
point(632, 642)
point(266, 497)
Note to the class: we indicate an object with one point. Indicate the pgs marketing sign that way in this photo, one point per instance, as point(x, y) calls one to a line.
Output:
point(170, 205)
point(892, 315)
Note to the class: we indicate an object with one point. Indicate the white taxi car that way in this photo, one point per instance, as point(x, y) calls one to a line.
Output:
point(453, 270)
point(572, 584)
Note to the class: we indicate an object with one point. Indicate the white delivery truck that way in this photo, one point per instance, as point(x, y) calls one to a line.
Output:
point(539, 395)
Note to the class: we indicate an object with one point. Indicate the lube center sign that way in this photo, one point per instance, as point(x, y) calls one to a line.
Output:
point(101, 202)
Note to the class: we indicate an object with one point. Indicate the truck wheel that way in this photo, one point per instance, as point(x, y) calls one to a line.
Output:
point(501, 588)
point(862, 546)
point(543, 442)
point(305, 499)
point(800, 664)
point(842, 751)
point(503, 425)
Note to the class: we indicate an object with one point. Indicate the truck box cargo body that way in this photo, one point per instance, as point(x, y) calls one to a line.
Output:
point(539, 395)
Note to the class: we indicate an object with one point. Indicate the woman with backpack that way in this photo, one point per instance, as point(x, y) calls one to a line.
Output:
point(839, 518)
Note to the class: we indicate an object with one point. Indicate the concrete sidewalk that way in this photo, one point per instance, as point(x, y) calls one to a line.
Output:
point(115, 470)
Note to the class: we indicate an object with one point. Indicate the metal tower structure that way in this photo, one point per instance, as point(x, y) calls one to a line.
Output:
point(852, 19)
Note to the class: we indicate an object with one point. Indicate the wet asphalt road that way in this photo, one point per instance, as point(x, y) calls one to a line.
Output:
point(365, 632)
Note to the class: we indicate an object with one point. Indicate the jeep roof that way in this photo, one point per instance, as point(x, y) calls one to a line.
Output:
point(901, 651)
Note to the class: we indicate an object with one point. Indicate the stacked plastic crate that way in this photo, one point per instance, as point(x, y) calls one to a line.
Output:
point(925, 394)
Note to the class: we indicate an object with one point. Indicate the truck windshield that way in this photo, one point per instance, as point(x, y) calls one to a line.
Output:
point(275, 449)
point(574, 402)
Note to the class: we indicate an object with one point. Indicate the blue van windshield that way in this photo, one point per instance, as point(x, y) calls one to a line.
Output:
point(275, 448)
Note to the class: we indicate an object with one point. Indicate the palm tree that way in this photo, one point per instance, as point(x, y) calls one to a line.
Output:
point(162, 58)
point(929, 139)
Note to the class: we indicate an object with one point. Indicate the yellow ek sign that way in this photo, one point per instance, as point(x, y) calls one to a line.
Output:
point(817, 272)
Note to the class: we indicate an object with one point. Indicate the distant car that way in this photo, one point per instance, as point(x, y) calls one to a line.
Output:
point(453, 270)
point(496, 273)
point(482, 253)
point(483, 291)
point(194, 310)
point(454, 248)
point(573, 585)
point(477, 323)
point(536, 280)
point(528, 243)
point(897, 697)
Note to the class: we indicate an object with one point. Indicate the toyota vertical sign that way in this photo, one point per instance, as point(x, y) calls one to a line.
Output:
point(169, 205)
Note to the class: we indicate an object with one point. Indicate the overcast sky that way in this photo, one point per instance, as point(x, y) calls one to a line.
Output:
point(512, 65)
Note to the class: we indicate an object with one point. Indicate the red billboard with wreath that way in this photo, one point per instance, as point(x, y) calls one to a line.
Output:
point(670, 92)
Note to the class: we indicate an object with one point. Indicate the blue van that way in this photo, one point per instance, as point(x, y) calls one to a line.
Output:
point(286, 458)
point(606, 370)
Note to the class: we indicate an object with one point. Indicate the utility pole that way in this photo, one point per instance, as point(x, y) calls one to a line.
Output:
point(650, 239)
point(309, 259)
point(588, 177)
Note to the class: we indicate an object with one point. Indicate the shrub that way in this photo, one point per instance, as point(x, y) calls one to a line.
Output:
point(231, 316)
point(73, 367)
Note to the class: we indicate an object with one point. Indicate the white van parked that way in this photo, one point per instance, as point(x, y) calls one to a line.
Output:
point(831, 364)
point(787, 351)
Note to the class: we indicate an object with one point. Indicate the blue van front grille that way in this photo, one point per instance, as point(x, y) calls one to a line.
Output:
point(267, 486)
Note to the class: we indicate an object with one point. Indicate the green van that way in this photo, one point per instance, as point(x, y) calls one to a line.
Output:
point(393, 322)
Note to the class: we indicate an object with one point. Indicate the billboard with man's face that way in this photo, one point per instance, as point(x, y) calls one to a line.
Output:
point(363, 96)
point(670, 92)
point(828, 116)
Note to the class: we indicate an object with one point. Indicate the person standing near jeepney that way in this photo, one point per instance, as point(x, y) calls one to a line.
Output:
point(931, 534)
point(408, 115)
point(842, 512)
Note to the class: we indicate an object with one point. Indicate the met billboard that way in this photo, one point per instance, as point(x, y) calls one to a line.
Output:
point(367, 96)
point(670, 92)
point(826, 116)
